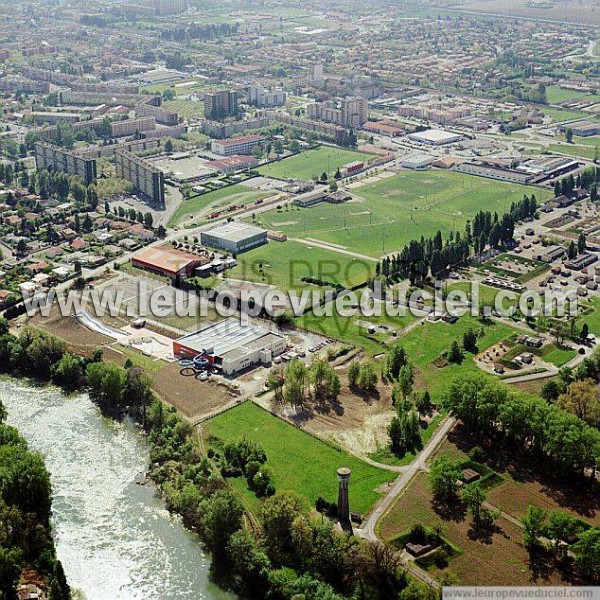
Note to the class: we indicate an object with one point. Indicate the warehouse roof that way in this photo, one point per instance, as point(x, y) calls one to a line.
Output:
point(227, 336)
point(167, 259)
point(235, 231)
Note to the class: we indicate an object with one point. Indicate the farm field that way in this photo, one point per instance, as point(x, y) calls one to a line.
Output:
point(523, 484)
point(299, 462)
point(284, 264)
point(555, 94)
point(233, 194)
point(312, 162)
point(391, 212)
point(499, 559)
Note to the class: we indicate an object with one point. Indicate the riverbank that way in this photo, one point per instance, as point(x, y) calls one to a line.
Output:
point(115, 537)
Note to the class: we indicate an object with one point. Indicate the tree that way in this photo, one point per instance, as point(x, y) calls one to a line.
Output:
point(353, 373)
point(396, 359)
point(168, 146)
point(587, 554)
point(278, 514)
point(561, 529)
point(470, 341)
point(550, 391)
point(455, 354)
point(444, 476)
point(424, 403)
point(275, 381)
point(257, 152)
point(68, 371)
point(250, 563)
point(296, 380)
point(581, 243)
point(581, 399)
point(533, 523)
point(473, 496)
point(404, 432)
point(569, 135)
point(406, 380)
point(10, 571)
point(584, 333)
point(221, 518)
point(368, 377)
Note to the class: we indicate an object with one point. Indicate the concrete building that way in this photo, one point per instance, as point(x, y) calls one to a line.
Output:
point(53, 158)
point(260, 96)
point(351, 112)
point(231, 345)
point(220, 104)
point(131, 126)
point(236, 146)
point(168, 261)
point(54, 117)
point(435, 137)
point(162, 115)
point(418, 162)
point(234, 237)
point(144, 176)
point(316, 75)
point(583, 128)
point(354, 112)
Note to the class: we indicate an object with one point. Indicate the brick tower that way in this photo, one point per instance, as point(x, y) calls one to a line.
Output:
point(343, 510)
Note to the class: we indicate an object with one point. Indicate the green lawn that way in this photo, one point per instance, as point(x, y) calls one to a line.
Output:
point(185, 108)
point(300, 462)
point(284, 264)
point(556, 94)
point(428, 341)
point(354, 329)
point(391, 212)
point(578, 148)
point(312, 162)
point(557, 356)
point(233, 194)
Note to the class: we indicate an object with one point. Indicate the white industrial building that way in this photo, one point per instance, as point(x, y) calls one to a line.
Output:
point(234, 237)
point(231, 345)
point(418, 162)
point(435, 137)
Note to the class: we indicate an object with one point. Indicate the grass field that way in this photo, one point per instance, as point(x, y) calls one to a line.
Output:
point(556, 94)
point(354, 331)
point(233, 194)
point(284, 264)
point(300, 462)
point(577, 149)
point(389, 213)
point(312, 162)
point(185, 108)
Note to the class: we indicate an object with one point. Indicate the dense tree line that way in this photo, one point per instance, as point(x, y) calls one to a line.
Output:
point(420, 257)
point(492, 413)
point(212, 31)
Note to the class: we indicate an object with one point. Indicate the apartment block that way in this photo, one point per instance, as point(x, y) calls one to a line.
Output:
point(259, 96)
point(53, 158)
point(234, 146)
point(131, 126)
point(144, 176)
point(220, 104)
point(162, 115)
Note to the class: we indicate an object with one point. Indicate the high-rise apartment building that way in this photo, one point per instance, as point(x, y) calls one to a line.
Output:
point(220, 104)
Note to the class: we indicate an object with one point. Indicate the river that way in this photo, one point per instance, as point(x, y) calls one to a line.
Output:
point(114, 537)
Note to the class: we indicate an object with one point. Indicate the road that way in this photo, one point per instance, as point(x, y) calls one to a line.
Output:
point(367, 530)
point(418, 464)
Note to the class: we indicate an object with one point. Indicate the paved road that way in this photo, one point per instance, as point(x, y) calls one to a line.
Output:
point(368, 527)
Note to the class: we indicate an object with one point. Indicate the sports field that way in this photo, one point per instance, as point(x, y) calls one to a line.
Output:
point(312, 162)
point(284, 264)
point(391, 212)
point(299, 461)
point(233, 194)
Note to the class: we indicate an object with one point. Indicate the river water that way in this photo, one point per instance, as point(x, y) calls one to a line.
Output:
point(114, 537)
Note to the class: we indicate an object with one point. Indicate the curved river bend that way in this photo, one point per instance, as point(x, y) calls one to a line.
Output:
point(114, 537)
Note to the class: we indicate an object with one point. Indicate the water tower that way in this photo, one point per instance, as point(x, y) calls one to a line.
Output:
point(343, 509)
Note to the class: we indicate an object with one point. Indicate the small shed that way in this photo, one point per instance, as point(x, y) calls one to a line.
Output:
point(470, 475)
point(417, 550)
